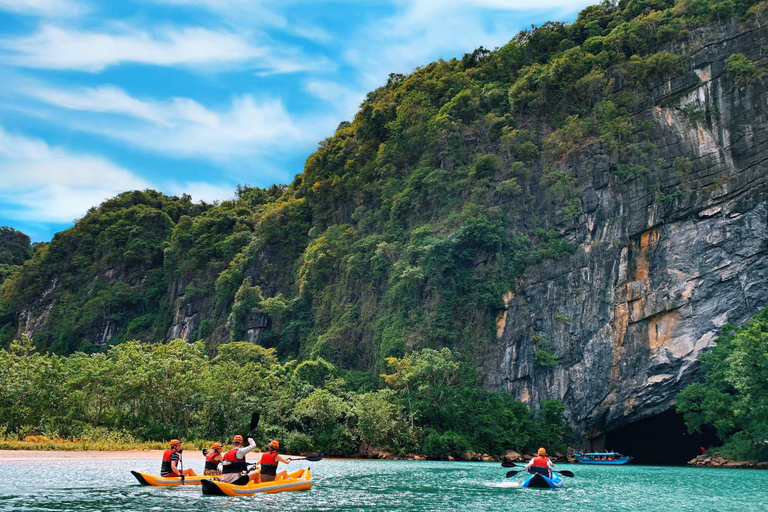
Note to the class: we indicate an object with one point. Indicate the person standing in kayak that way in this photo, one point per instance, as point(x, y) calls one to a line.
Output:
point(212, 460)
point(233, 463)
point(169, 468)
point(269, 461)
point(541, 464)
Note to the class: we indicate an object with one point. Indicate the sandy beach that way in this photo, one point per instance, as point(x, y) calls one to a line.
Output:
point(48, 455)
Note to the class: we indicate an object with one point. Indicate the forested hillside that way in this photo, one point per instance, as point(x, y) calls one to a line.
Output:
point(407, 226)
point(413, 226)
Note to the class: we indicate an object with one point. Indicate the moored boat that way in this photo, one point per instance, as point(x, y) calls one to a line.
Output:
point(160, 481)
point(300, 480)
point(609, 458)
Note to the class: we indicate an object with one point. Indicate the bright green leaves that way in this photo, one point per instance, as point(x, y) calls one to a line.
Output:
point(744, 71)
point(734, 397)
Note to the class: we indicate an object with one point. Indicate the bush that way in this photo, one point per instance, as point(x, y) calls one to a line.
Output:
point(744, 71)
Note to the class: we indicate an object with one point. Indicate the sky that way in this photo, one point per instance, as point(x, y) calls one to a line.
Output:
point(197, 96)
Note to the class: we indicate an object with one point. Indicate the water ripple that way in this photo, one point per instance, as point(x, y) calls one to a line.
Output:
point(107, 486)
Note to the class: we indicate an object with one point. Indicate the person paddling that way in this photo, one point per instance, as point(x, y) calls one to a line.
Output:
point(269, 461)
point(233, 463)
point(540, 464)
point(171, 459)
point(212, 460)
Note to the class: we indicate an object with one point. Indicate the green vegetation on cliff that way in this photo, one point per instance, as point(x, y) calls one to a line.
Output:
point(734, 397)
point(406, 227)
point(138, 391)
point(401, 238)
point(15, 249)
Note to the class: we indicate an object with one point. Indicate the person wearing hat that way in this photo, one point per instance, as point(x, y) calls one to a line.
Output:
point(540, 464)
point(269, 461)
point(233, 464)
point(171, 459)
point(212, 460)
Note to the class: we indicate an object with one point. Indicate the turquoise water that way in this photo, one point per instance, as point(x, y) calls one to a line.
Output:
point(389, 485)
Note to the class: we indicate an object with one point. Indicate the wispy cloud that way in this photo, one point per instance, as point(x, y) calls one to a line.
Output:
point(107, 99)
point(53, 47)
point(344, 99)
point(182, 127)
point(48, 8)
point(49, 184)
point(44, 183)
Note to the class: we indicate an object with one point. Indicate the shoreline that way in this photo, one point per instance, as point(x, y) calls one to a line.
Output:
point(715, 461)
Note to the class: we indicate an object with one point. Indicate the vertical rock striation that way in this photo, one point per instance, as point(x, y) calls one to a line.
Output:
point(663, 260)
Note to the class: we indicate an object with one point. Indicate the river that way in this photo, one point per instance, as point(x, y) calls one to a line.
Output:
point(107, 485)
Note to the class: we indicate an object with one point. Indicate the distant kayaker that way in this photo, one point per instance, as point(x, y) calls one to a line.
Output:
point(269, 461)
point(212, 460)
point(233, 464)
point(540, 464)
point(171, 459)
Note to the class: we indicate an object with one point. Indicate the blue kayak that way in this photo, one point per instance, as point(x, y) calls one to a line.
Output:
point(543, 482)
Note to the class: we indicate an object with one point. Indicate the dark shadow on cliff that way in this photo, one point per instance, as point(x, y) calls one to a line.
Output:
point(660, 439)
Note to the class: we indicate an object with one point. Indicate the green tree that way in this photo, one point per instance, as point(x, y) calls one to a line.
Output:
point(734, 396)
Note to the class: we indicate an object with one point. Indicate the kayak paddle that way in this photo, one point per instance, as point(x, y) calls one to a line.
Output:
point(564, 472)
point(508, 464)
point(315, 457)
point(181, 463)
point(254, 423)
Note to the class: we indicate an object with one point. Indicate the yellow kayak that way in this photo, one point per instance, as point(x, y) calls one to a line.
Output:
point(300, 480)
point(147, 479)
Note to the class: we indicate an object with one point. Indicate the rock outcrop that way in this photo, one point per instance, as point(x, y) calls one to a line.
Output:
point(716, 461)
point(663, 261)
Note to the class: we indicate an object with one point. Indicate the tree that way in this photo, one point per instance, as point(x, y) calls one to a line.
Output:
point(734, 396)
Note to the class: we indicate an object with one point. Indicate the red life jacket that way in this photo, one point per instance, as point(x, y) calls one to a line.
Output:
point(541, 461)
point(269, 463)
point(231, 464)
point(210, 461)
point(165, 467)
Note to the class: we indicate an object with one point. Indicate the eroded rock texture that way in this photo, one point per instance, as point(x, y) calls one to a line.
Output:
point(664, 259)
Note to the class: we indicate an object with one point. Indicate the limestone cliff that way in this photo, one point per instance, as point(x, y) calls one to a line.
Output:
point(653, 280)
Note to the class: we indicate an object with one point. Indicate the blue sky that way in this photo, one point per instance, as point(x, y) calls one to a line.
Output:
point(197, 96)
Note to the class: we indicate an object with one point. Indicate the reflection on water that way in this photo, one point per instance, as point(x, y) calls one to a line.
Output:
point(103, 485)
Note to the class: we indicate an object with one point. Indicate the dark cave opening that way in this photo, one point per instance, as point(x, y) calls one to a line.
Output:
point(660, 439)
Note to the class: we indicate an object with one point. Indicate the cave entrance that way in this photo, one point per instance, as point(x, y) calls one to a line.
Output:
point(660, 439)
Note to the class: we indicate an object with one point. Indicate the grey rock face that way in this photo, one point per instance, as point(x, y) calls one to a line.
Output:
point(663, 260)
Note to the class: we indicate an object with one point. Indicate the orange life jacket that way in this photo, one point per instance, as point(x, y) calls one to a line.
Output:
point(541, 461)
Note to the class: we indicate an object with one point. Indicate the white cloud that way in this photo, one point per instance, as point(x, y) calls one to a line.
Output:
point(182, 127)
point(106, 99)
point(248, 127)
point(49, 184)
point(345, 100)
point(423, 30)
point(53, 47)
point(45, 183)
point(200, 191)
point(51, 8)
